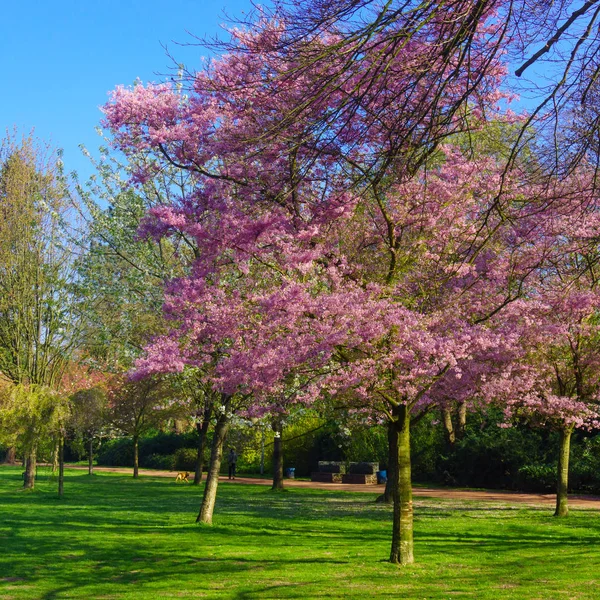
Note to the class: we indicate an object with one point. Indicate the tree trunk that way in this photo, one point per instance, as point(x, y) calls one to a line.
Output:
point(61, 466)
point(11, 457)
point(462, 420)
point(448, 427)
point(212, 479)
point(562, 484)
point(91, 456)
point(277, 457)
point(136, 461)
point(30, 464)
point(402, 533)
point(55, 456)
point(202, 431)
point(388, 495)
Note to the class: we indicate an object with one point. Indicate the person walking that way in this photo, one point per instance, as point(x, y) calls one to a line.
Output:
point(232, 459)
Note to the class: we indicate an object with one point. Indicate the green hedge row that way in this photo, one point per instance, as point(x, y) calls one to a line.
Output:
point(488, 456)
point(167, 451)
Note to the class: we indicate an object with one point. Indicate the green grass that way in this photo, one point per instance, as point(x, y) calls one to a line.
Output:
point(113, 537)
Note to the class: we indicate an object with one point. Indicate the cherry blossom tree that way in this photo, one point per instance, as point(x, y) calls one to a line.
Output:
point(358, 257)
point(553, 378)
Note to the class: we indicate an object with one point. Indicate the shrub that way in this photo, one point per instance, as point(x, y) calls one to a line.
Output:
point(166, 462)
point(154, 451)
point(185, 459)
point(537, 478)
point(116, 453)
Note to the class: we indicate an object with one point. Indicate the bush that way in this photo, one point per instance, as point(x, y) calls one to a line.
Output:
point(537, 478)
point(158, 450)
point(116, 453)
point(185, 459)
point(167, 442)
point(165, 462)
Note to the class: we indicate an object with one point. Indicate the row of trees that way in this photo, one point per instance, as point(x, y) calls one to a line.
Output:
point(62, 310)
point(341, 211)
point(372, 226)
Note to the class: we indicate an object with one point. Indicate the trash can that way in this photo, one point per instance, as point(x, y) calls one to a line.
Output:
point(290, 472)
point(381, 476)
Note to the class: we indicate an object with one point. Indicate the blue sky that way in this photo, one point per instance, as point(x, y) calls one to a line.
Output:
point(58, 60)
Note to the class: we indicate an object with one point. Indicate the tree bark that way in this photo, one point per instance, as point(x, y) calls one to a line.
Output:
point(136, 461)
point(91, 456)
point(388, 495)
point(11, 458)
point(55, 456)
point(202, 431)
point(30, 464)
point(212, 479)
point(448, 427)
point(462, 420)
point(277, 457)
point(61, 466)
point(402, 552)
point(562, 483)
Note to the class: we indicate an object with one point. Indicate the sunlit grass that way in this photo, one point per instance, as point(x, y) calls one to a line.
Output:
point(114, 537)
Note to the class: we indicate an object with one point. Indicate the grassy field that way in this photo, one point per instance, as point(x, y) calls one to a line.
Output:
point(113, 537)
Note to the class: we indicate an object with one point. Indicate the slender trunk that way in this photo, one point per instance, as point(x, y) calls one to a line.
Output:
point(30, 464)
point(202, 431)
point(262, 449)
point(91, 456)
point(277, 457)
point(11, 458)
point(402, 533)
point(61, 466)
point(55, 456)
point(388, 495)
point(562, 484)
point(448, 427)
point(212, 479)
point(136, 461)
point(462, 420)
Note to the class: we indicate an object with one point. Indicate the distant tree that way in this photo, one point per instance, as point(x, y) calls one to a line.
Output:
point(29, 415)
point(39, 326)
point(135, 407)
point(553, 381)
point(121, 275)
point(89, 418)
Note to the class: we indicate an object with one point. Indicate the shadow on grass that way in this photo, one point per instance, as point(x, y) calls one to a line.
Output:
point(112, 531)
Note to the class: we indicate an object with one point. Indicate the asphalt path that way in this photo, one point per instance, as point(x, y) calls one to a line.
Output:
point(580, 501)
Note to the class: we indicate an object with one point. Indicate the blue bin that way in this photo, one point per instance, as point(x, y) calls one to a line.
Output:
point(381, 476)
point(290, 472)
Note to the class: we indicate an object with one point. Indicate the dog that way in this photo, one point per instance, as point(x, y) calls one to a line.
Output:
point(182, 476)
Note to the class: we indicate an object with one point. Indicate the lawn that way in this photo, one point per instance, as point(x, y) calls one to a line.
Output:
point(113, 537)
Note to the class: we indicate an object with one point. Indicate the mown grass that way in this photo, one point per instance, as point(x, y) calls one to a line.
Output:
point(113, 537)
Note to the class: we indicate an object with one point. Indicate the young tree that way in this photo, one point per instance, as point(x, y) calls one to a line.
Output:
point(89, 418)
point(137, 406)
point(29, 415)
point(193, 384)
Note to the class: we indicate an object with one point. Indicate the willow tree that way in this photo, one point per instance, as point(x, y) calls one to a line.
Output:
point(38, 324)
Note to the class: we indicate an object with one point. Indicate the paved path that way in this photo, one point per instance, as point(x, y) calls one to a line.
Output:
point(418, 492)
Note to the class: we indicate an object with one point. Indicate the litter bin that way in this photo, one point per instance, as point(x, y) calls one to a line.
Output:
point(290, 472)
point(381, 476)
